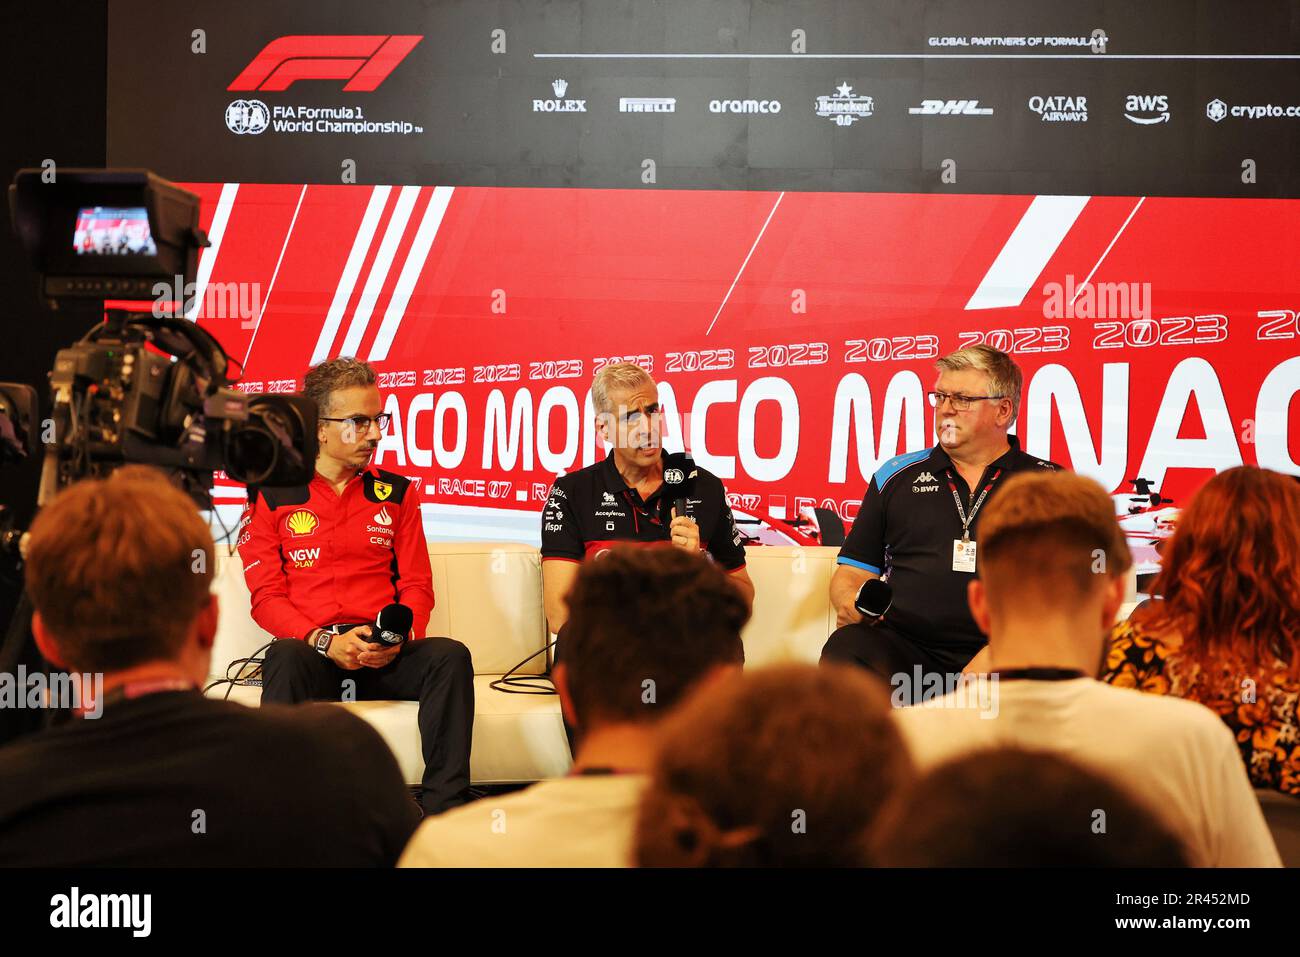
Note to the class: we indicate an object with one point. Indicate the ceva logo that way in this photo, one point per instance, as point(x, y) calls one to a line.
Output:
point(363, 61)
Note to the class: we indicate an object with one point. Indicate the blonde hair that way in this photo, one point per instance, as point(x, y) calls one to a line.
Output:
point(119, 568)
point(1004, 375)
point(622, 376)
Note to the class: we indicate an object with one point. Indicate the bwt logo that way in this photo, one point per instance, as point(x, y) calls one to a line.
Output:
point(364, 61)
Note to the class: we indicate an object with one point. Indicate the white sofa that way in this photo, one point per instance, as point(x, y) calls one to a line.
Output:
point(489, 596)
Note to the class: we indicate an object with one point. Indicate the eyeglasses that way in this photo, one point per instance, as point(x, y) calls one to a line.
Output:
point(362, 422)
point(959, 402)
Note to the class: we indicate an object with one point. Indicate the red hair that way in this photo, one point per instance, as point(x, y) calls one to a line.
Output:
point(1230, 576)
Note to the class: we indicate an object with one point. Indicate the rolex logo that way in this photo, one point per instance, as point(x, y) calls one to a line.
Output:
point(559, 86)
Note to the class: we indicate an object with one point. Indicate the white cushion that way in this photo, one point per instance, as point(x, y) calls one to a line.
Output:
point(792, 616)
point(517, 738)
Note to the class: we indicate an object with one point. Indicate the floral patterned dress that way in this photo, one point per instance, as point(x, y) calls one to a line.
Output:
point(1261, 710)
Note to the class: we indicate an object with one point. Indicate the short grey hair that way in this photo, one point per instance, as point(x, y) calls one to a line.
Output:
point(1004, 375)
point(621, 376)
point(326, 378)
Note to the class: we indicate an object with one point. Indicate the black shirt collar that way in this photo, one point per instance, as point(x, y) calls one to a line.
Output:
point(614, 481)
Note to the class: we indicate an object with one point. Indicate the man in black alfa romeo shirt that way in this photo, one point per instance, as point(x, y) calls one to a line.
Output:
point(918, 523)
point(633, 496)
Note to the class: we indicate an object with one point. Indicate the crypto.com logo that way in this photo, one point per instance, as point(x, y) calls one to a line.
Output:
point(364, 61)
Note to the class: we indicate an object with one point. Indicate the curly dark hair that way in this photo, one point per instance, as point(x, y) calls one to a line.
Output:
point(326, 378)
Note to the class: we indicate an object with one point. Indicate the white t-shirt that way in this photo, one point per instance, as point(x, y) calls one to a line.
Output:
point(1175, 755)
point(576, 821)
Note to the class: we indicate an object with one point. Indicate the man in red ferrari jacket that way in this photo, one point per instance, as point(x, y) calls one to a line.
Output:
point(323, 559)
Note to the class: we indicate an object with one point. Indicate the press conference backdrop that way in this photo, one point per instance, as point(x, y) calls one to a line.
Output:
point(784, 211)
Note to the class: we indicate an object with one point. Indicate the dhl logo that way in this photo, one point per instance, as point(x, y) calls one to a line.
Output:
point(302, 522)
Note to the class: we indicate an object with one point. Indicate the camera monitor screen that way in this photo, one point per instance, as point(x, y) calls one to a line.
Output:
point(113, 231)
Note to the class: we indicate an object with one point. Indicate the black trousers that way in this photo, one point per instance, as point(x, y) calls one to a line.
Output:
point(570, 731)
point(894, 656)
point(437, 672)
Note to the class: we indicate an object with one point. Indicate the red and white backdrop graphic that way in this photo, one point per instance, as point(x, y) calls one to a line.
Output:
point(793, 335)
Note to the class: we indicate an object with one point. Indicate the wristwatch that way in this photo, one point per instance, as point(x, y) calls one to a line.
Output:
point(323, 639)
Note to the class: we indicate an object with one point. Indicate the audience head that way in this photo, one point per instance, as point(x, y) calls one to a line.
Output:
point(783, 766)
point(1050, 548)
point(1014, 808)
point(1228, 578)
point(645, 625)
point(120, 572)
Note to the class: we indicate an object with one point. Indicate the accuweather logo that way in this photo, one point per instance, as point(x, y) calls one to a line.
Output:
point(363, 61)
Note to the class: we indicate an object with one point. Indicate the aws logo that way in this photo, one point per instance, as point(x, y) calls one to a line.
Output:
point(302, 522)
point(304, 557)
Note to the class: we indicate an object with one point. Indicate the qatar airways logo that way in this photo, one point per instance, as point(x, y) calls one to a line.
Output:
point(363, 62)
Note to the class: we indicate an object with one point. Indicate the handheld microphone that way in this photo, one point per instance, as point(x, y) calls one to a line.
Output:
point(679, 480)
point(393, 625)
point(874, 598)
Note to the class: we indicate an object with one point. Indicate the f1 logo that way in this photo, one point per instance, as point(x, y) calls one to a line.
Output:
point(364, 61)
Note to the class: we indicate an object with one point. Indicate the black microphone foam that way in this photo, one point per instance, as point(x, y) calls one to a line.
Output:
point(679, 480)
point(393, 624)
point(874, 598)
